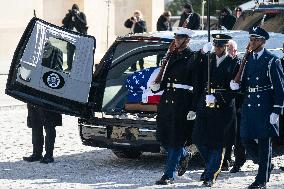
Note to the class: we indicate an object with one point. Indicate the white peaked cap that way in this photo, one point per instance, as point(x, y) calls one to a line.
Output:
point(183, 31)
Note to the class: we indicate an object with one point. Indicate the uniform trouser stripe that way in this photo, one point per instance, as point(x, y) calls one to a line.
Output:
point(261, 154)
point(219, 169)
point(213, 158)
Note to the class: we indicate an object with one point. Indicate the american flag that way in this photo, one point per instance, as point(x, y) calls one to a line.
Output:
point(138, 87)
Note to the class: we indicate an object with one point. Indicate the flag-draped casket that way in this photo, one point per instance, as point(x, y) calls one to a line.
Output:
point(140, 97)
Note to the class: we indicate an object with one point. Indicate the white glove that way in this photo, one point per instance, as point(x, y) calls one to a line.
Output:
point(274, 118)
point(208, 47)
point(210, 99)
point(191, 115)
point(154, 86)
point(234, 86)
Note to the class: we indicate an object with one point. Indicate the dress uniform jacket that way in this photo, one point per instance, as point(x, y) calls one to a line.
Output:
point(213, 126)
point(175, 103)
point(263, 85)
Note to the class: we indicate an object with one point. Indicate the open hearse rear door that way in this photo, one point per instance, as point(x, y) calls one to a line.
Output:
point(52, 68)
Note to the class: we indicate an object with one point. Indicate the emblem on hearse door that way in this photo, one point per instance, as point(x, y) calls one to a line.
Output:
point(53, 80)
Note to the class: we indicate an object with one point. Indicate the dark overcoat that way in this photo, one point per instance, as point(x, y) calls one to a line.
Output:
point(213, 126)
point(79, 23)
point(39, 117)
point(265, 73)
point(163, 24)
point(175, 103)
point(193, 23)
point(139, 26)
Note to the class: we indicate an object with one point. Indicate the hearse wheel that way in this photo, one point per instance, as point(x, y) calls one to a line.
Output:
point(131, 154)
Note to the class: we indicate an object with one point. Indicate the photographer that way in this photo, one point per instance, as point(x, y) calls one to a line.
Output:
point(136, 24)
point(76, 21)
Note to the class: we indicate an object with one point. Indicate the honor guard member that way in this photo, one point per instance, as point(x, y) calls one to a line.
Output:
point(176, 101)
point(262, 84)
point(215, 109)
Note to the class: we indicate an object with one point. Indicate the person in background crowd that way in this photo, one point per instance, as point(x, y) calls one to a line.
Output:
point(238, 12)
point(189, 18)
point(263, 87)
point(39, 118)
point(137, 25)
point(163, 24)
point(215, 112)
point(176, 79)
point(239, 150)
point(76, 21)
point(226, 19)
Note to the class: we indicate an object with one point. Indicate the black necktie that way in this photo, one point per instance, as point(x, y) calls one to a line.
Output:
point(255, 56)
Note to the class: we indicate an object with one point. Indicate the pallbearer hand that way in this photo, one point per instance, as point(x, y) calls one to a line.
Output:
point(274, 118)
point(234, 86)
point(154, 86)
point(191, 115)
point(210, 99)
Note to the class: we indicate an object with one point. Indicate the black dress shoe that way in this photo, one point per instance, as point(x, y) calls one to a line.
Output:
point(208, 183)
point(47, 159)
point(235, 169)
point(225, 165)
point(202, 176)
point(256, 185)
point(183, 164)
point(165, 181)
point(271, 167)
point(33, 157)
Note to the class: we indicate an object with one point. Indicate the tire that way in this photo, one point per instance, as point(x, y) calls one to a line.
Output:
point(131, 154)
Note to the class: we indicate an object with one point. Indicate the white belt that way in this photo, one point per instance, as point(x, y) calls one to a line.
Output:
point(180, 86)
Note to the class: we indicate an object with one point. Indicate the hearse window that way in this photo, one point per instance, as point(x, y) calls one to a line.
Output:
point(115, 95)
point(148, 62)
point(58, 55)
